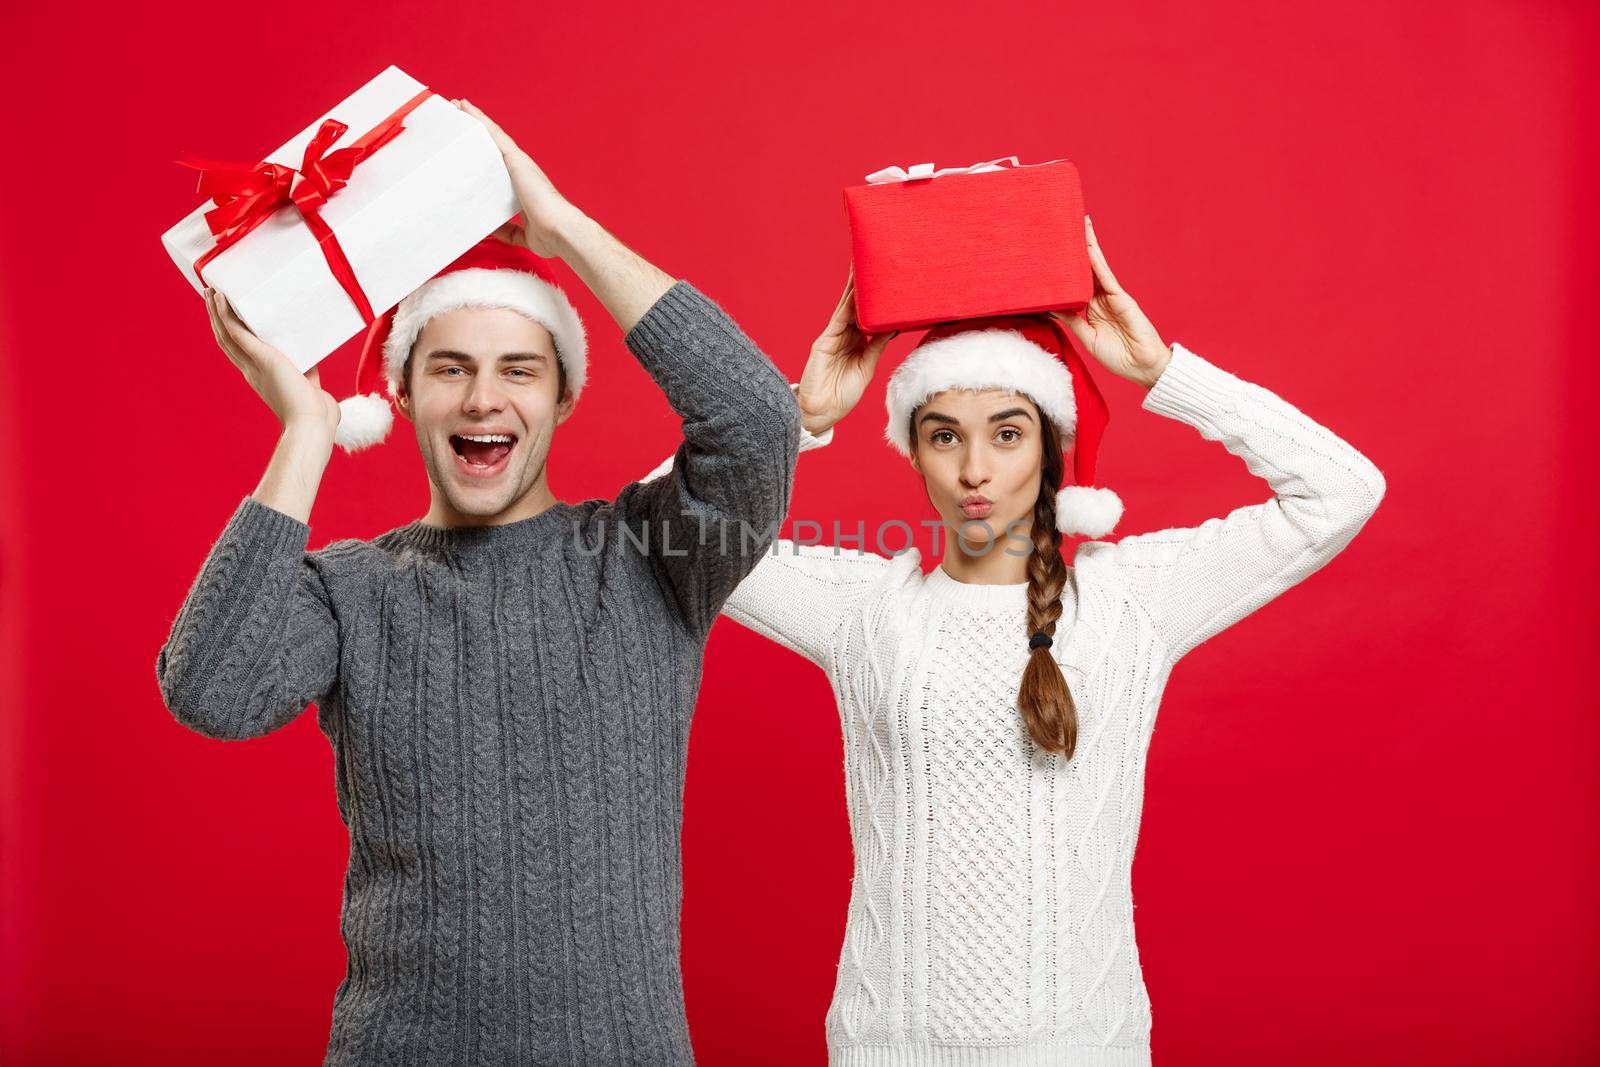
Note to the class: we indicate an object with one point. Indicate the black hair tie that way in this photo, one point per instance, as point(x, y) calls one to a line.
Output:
point(1040, 640)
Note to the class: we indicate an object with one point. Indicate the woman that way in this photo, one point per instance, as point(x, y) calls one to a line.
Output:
point(997, 710)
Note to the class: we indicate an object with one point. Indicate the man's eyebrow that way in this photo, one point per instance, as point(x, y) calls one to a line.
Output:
point(505, 357)
point(1010, 413)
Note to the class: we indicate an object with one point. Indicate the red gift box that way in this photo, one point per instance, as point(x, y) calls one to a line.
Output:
point(997, 238)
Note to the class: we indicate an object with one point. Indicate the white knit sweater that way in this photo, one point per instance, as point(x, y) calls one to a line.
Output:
point(991, 913)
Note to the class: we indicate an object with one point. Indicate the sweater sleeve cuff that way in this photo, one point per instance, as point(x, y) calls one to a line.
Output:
point(266, 527)
point(1190, 388)
point(809, 440)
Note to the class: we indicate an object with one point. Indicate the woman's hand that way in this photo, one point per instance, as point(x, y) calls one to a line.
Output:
point(299, 400)
point(1117, 333)
point(842, 362)
point(547, 216)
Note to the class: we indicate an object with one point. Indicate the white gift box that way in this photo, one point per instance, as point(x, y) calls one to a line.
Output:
point(409, 209)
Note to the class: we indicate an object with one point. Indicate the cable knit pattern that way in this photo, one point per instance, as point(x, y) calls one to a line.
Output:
point(991, 914)
point(509, 712)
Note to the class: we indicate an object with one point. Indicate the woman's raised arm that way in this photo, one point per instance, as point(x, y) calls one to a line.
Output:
point(1196, 582)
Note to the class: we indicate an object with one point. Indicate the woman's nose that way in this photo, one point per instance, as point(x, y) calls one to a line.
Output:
point(975, 469)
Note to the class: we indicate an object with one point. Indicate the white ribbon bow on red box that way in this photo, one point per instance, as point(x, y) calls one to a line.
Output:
point(918, 172)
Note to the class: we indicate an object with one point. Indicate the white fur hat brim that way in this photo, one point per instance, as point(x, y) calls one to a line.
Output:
point(980, 359)
point(483, 287)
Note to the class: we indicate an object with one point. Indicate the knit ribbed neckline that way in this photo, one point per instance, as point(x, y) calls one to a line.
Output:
point(479, 541)
point(974, 595)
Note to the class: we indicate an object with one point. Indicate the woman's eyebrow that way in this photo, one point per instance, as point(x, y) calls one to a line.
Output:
point(999, 416)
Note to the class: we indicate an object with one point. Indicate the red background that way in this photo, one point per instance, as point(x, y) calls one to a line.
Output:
point(1371, 831)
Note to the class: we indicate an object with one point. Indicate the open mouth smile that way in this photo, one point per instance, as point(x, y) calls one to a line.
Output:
point(482, 455)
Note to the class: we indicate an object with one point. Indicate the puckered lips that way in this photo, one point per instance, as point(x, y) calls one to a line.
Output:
point(976, 506)
point(483, 451)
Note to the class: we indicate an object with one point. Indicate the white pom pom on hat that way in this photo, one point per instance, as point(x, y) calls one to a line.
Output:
point(494, 274)
point(1088, 510)
point(364, 420)
point(1028, 355)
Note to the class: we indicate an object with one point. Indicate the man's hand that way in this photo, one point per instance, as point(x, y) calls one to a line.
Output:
point(841, 364)
point(548, 218)
point(309, 414)
point(298, 400)
point(551, 227)
point(1117, 333)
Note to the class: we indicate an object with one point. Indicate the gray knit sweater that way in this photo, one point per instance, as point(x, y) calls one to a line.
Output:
point(509, 711)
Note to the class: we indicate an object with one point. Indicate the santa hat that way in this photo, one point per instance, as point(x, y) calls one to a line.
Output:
point(1027, 355)
point(491, 274)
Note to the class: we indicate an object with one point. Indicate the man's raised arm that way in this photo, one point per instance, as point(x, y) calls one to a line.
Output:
point(707, 522)
point(256, 639)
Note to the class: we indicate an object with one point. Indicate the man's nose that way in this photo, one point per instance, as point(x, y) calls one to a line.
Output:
point(486, 394)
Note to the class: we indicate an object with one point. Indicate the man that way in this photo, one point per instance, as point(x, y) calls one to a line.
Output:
point(507, 683)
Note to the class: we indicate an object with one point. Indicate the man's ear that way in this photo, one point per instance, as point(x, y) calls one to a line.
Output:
point(564, 408)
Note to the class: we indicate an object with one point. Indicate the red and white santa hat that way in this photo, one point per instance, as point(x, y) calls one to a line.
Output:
point(491, 274)
point(1028, 355)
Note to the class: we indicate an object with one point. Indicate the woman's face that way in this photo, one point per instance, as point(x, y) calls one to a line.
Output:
point(980, 455)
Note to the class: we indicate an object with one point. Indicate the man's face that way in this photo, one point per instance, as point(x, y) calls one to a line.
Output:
point(980, 456)
point(482, 392)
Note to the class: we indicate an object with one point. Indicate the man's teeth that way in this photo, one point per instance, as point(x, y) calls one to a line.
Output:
point(486, 438)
